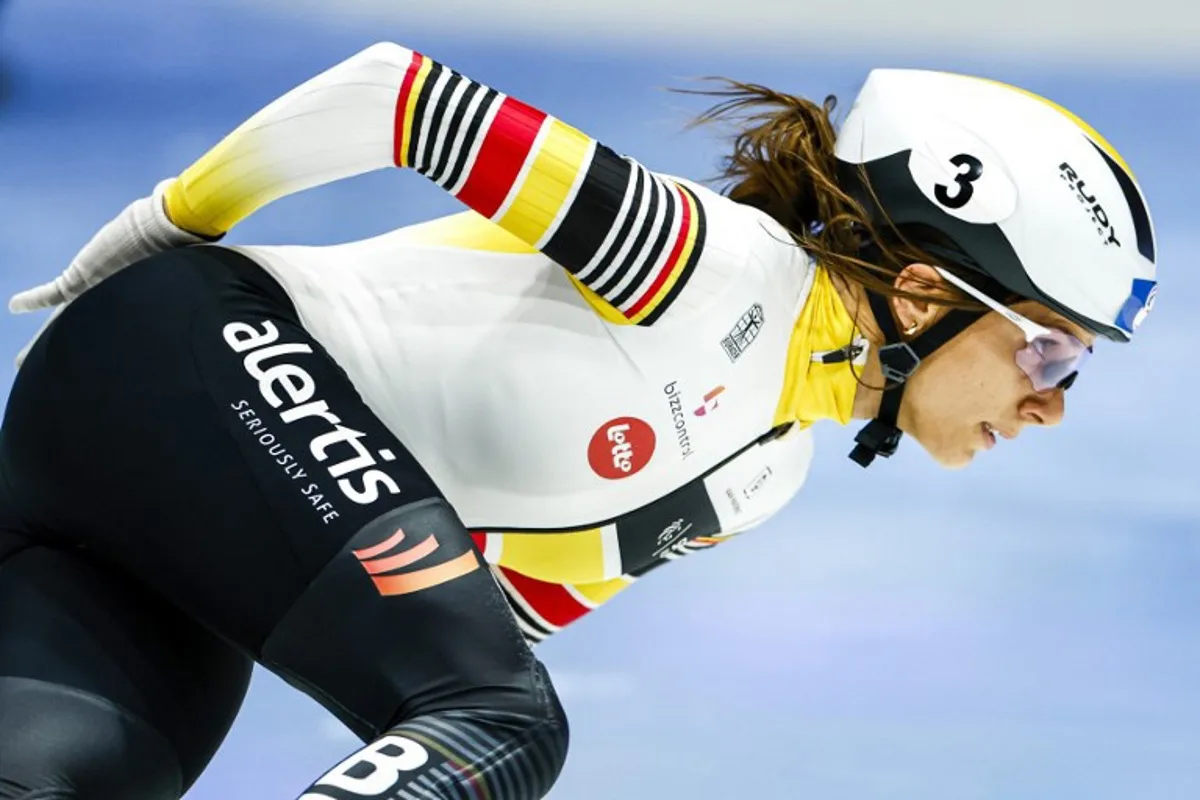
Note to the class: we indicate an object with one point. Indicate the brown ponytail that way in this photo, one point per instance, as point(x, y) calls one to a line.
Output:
point(783, 163)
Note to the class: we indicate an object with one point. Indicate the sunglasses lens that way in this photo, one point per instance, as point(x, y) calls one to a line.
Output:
point(1052, 359)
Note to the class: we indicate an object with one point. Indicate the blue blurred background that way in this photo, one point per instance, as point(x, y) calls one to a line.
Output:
point(1021, 629)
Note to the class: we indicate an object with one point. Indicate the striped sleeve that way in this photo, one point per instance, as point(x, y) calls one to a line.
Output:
point(542, 608)
point(629, 238)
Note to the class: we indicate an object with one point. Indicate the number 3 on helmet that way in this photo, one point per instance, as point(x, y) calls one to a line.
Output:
point(1036, 198)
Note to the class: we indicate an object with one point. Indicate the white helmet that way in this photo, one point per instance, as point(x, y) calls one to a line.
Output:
point(1035, 198)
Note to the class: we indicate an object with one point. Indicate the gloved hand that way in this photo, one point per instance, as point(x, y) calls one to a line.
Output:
point(143, 229)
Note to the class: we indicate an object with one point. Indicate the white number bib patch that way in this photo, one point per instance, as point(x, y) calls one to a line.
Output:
point(964, 177)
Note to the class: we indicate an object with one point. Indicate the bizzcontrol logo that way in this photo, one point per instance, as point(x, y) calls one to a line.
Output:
point(710, 402)
point(621, 447)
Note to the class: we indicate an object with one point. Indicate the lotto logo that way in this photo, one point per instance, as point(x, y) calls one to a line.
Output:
point(621, 447)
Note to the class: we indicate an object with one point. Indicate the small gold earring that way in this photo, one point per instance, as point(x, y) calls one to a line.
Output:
point(910, 330)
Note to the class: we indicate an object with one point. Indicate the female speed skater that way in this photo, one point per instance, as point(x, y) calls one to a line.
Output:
point(384, 469)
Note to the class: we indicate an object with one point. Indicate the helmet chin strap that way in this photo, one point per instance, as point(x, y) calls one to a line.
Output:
point(899, 360)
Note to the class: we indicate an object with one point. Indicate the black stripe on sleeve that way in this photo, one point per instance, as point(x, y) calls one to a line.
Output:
point(650, 198)
point(418, 115)
point(605, 260)
point(651, 257)
point(474, 124)
point(593, 212)
point(699, 222)
point(452, 122)
point(441, 111)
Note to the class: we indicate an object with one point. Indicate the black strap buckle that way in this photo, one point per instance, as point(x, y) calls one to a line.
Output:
point(877, 438)
point(898, 361)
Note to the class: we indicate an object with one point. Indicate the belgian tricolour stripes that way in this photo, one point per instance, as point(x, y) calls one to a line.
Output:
point(630, 236)
point(542, 609)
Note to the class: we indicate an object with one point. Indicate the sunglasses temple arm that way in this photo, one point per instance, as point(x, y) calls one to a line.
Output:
point(1031, 328)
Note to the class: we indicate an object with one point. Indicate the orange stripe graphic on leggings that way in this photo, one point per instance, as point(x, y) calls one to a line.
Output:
point(375, 560)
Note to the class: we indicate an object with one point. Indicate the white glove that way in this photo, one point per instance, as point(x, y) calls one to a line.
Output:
point(142, 229)
point(20, 359)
